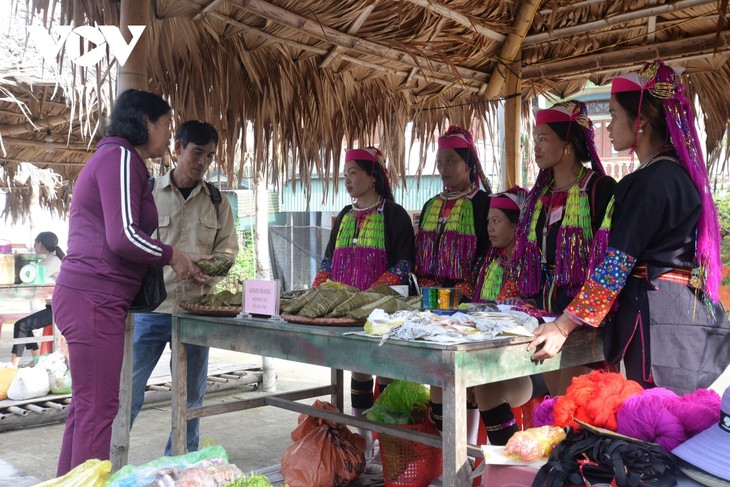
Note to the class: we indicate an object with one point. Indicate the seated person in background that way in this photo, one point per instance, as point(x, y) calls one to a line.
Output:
point(497, 279)
point(497, 282)
point(46, 244)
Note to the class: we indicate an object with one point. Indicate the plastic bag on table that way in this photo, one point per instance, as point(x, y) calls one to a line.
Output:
point(131, 476)
point(7, 375)
point(91, 473)
point(534, 443)
point(324, 453)
point(29, 382)
point(401, 403)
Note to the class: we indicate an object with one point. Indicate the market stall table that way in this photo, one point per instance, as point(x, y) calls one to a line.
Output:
point(452, 367)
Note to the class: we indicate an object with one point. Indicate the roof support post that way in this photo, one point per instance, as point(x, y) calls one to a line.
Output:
point(134, 72)
point(512, 174)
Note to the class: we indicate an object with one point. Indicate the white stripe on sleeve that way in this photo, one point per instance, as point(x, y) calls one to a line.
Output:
point(127, 220)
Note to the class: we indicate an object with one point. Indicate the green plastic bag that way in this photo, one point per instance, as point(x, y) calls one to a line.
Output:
point(91, 473)
point(401, 403)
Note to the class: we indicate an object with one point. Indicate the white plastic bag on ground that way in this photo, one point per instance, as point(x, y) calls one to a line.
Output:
point(59, 377)
point(30, 382)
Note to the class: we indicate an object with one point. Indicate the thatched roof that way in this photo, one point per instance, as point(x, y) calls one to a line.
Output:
point(304, 75)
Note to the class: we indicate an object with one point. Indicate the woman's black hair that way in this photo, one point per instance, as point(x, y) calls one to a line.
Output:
point(132, 109)
point(49, 240)
point(651, 107)
point(465, 154)
point(572, 133)
point(512, 215)
point(381, 186)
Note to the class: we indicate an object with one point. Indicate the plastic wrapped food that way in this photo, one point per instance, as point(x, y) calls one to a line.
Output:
point(534, 443)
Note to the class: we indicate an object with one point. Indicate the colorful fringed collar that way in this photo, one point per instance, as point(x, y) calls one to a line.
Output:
point(447, 248)
point(491, 282)
point(574, 239)
point(360, 257)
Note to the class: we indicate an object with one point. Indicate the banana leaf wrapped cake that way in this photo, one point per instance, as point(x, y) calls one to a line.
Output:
point(333, 300)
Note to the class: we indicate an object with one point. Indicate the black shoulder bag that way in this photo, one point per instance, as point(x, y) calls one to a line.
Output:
point(152, 292)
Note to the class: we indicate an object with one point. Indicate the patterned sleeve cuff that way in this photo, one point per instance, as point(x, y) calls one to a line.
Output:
point(396, 275)
point(324, 272)
point(596, 297)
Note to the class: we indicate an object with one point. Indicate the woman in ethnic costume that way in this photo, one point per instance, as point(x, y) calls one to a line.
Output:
point(498, 282)
point(662, 266)
point(371, 243)
point(564, 211)
point(372, 240)
point(452, 237)
point(497, 279)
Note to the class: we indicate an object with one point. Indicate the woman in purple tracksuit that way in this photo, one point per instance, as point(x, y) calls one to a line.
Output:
point(113, 216)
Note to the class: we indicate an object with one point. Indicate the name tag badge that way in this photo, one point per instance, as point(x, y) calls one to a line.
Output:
point(555, 215)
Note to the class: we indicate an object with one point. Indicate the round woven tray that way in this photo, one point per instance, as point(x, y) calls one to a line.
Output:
point(303, 320)
point(211, 310)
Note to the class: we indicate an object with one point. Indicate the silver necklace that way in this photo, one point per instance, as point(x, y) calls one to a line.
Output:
point(374, 205)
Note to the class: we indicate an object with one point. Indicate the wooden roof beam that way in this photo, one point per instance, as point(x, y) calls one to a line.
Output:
point(212, 6)
point(45, 163)
point(511, 47)
point(460, 19)
point(362, 46)
point(352, 31)
point(618, 59)
point(12, 141)
point(608, 22)
point(570, 6)
point(35, 126)
point(408, 75)
point(651, 25)
point(638, 65)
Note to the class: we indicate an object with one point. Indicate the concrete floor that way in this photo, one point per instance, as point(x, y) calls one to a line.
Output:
point(254, 439)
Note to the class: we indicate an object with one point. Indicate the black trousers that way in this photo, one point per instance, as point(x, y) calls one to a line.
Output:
point(24, 329)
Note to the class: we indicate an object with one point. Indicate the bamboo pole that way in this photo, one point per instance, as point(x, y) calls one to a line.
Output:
point(352, 31)
point(207, 10)
point(460, 19)
point(510, 48)
point(608, 22)
point(620, 58)
point(512, 111)
point(134, 72)
point(41, 163)
point(12, 141)
point(38, 125)
point(708, 57)
point(408, 75)
point(289, 19)
point(119, 448)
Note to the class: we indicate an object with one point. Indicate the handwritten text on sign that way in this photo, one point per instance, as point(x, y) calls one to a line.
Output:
point(261, 297)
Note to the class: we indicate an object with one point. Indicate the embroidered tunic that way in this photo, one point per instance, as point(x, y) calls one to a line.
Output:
point(447, 258)
point(364, 268)
point(598, 189)
point(505, 290)
point(662, 328)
